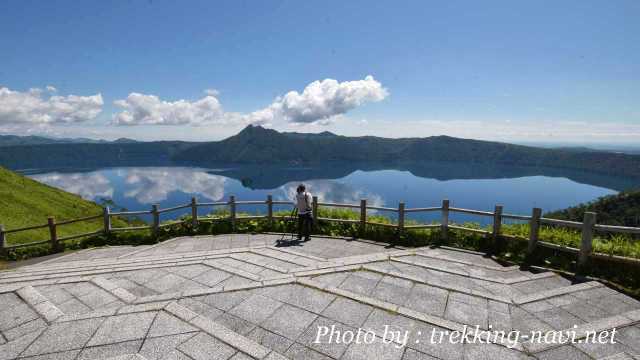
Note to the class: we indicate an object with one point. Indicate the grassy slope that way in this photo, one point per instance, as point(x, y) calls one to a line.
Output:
point(25, 202)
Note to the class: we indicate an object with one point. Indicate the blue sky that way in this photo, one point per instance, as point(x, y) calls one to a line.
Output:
point(552, 71)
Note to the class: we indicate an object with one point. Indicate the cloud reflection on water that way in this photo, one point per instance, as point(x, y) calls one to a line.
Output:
point(145, 185)
point(156, 184)
point(90, 186)
point(151, 185)
point(334, 192)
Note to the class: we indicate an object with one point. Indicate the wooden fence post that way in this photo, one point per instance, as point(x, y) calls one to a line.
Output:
point(587, 240)
point(194, 213)
point(55, 246)
point(106, 218)
point(401, 216)
point(363, 216)
point(497, 225)
point(155, 229)
point(444, 227)
point(3, 241)
point(314, 210)
point(232, 212)
point(270, 210)
point(534, 234)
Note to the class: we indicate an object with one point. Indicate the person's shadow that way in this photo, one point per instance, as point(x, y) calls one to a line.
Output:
point(288, 243)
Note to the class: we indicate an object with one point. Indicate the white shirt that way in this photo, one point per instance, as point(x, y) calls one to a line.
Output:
point(303, 203)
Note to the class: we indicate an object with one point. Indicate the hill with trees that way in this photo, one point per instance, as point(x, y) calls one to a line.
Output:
point(258, 145)
point(622, 209)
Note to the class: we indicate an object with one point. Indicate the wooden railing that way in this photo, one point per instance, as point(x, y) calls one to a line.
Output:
point(587, 227)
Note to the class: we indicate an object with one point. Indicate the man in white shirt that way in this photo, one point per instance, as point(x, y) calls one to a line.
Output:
point(303, 205)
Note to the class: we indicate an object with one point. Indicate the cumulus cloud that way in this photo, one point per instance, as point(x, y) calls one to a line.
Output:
point(141, 109)
point(36, 107)
point(320, 102)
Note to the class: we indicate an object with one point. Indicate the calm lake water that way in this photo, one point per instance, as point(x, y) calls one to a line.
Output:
point(472, 186)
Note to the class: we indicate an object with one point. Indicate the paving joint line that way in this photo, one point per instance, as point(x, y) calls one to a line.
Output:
point(93, 265)
point(328, 270)
point(453, 272)
point(152, 247)
point(128, 267)
point(469, 263)
point(551, 293)
point(256, 263)
point(144, 339)
point(293, 252)
point(458, 289)
point(42, 331)
point(237, 341)
point(233, 270)
point(397, 309)
point(583, 330)
point(289, 260)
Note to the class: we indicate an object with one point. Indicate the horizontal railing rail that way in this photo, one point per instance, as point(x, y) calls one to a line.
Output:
point(72, 221)
point(587, 227)
point(426, 209)
point(381, 208)
point(219, 203)
point(327, 204)
point(251, 202)
point(516, 217)
point(471, 212)
point(566, 223)
point(26, 228)
point(180, 207)
point(617, 229)
point(33, 243)
point(131, 228)
point(130, 213)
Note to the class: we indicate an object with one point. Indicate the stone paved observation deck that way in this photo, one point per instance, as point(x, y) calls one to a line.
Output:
point(242, 297)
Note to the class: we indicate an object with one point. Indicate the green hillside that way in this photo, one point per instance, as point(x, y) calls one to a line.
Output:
point(621, 209)
point(25, 202)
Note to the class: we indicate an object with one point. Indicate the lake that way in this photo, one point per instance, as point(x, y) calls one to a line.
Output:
point(474, 186)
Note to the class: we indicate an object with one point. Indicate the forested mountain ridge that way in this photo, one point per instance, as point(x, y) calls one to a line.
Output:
point(90, 154)
point(257, 145)
point(15, 140)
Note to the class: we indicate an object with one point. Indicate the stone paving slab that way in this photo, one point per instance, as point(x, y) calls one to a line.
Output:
point(242, 296)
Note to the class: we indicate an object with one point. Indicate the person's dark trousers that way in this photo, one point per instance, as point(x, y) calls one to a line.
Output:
point(304, 226)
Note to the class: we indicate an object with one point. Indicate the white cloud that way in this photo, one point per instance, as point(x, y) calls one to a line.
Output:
point(141, 109)
point(31, 107)
point(320, 102)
